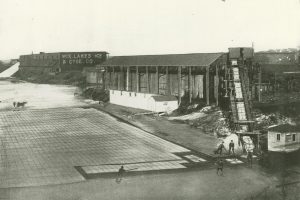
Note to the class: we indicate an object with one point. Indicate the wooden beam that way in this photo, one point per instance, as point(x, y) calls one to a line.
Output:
point(207, 85)
point(147, 79)
point(157, 80)
point(137, 79)
point(127, 77)
point(190, 84)
point(179, 85)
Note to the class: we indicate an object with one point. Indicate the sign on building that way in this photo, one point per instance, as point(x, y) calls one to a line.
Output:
point(82, 58)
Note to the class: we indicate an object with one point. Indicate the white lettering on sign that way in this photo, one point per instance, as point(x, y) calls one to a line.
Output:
point(81, 58)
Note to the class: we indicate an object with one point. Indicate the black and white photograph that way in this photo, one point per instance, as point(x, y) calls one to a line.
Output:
point(149, 100)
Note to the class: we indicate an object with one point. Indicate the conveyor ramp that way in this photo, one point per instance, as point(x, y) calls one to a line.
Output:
point(10, 71)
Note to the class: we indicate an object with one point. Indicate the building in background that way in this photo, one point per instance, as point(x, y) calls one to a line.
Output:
point(62, 61)
point(284, 138)
point(188, 76)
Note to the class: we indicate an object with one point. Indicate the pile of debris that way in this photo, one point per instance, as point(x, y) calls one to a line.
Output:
point(209, 119)
point(266, 120)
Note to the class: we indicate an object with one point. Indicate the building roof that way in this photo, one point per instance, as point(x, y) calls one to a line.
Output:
point(195, 59)
point(276, 58)
point(63, 52)
point(285, 128)
point(164, 98)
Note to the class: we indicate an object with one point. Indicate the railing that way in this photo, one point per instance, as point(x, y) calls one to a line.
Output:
point(245, 91)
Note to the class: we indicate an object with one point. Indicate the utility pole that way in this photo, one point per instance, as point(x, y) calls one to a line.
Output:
point(259, 84)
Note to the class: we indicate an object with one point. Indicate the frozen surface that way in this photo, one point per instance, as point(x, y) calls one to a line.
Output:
point(37, 96)
point(42, 146)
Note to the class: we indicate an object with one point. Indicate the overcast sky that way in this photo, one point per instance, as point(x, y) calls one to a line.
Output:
point(127, 27)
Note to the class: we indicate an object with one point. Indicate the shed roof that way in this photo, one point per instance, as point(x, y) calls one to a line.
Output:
point(164, 98)
point(194, 59)
point(285, 128)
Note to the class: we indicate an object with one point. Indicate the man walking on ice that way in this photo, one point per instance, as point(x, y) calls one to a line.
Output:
point(120, 174)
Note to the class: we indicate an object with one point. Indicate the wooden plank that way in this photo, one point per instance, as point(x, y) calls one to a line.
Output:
point(249, 133)
point(245, 121)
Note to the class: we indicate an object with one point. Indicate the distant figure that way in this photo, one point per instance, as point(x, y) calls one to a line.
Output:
point(19, 104)
point(220, 148)
point(220, 165)
point(120, 174)
point(249, 158)
point(231, 147)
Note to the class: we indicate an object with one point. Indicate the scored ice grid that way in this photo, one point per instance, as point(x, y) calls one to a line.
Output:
point(45, 145)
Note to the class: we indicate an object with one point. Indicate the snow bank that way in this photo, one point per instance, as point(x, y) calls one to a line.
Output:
point(193, 116)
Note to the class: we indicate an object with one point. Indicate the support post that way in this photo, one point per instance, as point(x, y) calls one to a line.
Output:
point(190, 84)
point(97, 78)
point(119, 79)
point(103, 79)
point(207, 85)
point(147, 79)
point(127, 77)
point(137, 79)
point(167, 81)
point(217, 85)
point(275, 84)
point(258, 142)
point(179, 85)
point(114, 78)
point(157, 80)
point(259, 85)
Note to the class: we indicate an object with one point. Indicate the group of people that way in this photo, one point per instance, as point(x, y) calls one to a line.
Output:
point(220, 162)
point(221, 147)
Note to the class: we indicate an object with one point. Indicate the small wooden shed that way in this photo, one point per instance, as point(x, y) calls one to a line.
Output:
point(284, 138)
point(162, 103)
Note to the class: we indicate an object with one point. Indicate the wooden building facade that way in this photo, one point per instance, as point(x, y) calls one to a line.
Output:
point(190, 75)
